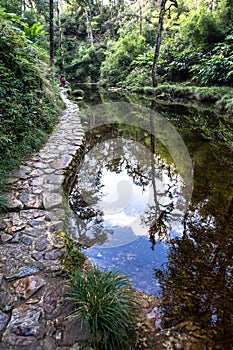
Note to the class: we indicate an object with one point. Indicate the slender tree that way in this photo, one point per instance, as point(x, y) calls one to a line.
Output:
point(60, 38)
point(88, 14)
point(51, 32)
point(162, 12)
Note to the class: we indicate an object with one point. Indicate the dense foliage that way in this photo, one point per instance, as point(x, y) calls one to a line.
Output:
point(117, 64)
point(27, 104)
point(114, 44)
point(86, 65)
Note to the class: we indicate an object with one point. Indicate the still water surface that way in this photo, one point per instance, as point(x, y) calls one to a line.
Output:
point(134, 215)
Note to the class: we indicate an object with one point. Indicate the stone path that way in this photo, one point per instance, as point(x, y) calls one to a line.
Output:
point(32, 276)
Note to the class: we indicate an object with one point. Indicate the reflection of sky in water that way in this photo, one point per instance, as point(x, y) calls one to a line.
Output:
point(123, 208)
point(136, 259)
point(123, 203)
point(132, 256)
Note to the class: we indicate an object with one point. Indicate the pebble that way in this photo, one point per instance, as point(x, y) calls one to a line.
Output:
point(5, 237)
point(54, 254)
point(3, 320)
point(27, 240)
point(37, 256)
point(24, 322)
point(42, 244)
point(28, 286)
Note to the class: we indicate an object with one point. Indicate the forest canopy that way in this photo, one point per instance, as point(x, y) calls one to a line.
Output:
point(113, 42)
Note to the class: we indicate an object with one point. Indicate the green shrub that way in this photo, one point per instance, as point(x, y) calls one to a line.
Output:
point(202, 29)
point(78, 93)
point(226, 104)
point(174, 65)
point(75, 258)
point(138, 77)
point(218, 68)
point(85, 67)
point(105, 301)
point(29, 103)
point(117, 64)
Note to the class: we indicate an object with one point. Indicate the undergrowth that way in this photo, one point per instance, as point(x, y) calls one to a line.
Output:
point(221, 97)
point(106, 304)
point(29, 100)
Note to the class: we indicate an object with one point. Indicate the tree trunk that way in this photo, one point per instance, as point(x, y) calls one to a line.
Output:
point(158, 43)
point(60, 40)
point(51, 33)
point(89, 26)
point(23, 7)
point(159, 37)
point(140, 18)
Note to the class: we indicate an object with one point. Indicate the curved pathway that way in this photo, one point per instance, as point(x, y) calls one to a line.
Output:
point(32, 247)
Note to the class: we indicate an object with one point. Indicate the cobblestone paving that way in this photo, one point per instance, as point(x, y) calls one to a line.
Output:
point(32, 276)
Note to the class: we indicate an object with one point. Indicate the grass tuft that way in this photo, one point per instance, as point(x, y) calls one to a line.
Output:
point(105, 302)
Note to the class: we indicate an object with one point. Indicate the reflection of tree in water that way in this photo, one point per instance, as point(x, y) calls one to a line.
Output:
point(160, 216)
point(91, 232)
point(139, 167)
point(158, 220)
point(89, 219)
point(197, 281)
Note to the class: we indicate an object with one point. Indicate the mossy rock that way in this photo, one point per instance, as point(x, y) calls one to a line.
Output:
point(78, 93)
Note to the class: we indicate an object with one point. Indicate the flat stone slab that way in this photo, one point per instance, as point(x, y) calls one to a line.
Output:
point(52, 200)
point(26, 287)
point(24, 327)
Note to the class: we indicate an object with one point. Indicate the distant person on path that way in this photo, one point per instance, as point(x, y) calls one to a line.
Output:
point(63, 80)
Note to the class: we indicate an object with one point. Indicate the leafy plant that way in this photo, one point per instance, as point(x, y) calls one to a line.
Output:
point(86, 65)
point(218, 68)
point(175, 65)
point(33, 32)
point(105, 301)
point(117, 64)
point(226, 103)
point(75, 258)
point(28, 109)
point(202, 29)
point(143, 61)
